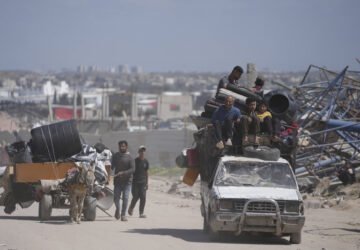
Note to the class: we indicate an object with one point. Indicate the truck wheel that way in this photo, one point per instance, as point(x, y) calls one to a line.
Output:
point(295, 238)
point(262, 152)
point(90, 208)
point(45, 207)
point(205, 225)
point(214, 235)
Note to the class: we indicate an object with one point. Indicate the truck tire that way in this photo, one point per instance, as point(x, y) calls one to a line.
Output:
point(262, 152)
point(45, 207)
point(205, 225)
point(90, 208)
point(213, 235)
point(295, 238)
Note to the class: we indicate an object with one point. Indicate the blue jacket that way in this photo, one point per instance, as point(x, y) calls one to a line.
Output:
point(221, 114)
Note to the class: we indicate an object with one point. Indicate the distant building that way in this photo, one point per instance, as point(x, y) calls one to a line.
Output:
point(174, 105)
point(136, 70)
point(124, 69)
point(82, 69)
point(113, 70)
point(48, 89)
point(94, 69)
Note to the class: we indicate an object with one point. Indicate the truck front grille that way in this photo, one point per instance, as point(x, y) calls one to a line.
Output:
point(259, 207)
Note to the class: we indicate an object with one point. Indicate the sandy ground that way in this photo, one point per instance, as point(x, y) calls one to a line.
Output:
point(174, 222)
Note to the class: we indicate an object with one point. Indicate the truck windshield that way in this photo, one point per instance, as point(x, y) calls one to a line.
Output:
point(257, 174)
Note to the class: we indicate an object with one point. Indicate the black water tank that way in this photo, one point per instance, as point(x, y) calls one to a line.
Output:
point(281, 104)
point(55, 141)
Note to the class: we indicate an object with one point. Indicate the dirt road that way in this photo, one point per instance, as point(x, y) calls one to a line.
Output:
point(173, 222)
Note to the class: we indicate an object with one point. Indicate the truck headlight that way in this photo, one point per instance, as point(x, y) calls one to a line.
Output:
point(292, 207)
point(226, 204)
point(301, 208)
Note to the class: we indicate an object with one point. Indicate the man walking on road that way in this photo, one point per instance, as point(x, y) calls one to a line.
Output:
point(124, 167)
point(140, 182)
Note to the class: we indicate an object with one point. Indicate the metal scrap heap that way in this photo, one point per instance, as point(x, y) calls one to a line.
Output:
point(328, 118)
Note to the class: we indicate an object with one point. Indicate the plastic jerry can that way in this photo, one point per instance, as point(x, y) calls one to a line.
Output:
point(191, 175)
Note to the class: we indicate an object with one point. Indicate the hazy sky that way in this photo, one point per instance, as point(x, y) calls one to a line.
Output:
point(169, 35)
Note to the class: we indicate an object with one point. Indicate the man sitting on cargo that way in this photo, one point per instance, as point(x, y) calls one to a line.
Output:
point(230, 79)
point(250, 123)
point(223, 120)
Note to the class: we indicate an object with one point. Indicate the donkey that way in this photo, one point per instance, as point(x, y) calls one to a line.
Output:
point(79, 182)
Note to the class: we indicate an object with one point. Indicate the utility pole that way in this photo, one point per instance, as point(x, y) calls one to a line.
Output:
point(75, 104)
point(51, 117)
point(83, 116)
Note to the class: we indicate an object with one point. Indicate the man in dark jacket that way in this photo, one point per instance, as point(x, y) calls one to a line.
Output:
point(140, 182)
point(230, 79)
point(124, 167)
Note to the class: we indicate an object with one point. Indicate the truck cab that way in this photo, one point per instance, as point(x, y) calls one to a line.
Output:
point(252, 195)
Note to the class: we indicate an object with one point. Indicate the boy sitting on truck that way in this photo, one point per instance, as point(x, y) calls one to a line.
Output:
point(250, 123)
point(268, 124)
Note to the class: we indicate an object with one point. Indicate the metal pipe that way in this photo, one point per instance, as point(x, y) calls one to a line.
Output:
point(314, 83)
point(346, 137)
point(319, 164)
point(334, 73)
point(329, 144)
point(347, 126)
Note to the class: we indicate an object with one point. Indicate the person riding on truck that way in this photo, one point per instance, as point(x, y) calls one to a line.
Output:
point(223, 120)
point(259, 84)
point(268, 123)
point(233, 78)
point(250, 122)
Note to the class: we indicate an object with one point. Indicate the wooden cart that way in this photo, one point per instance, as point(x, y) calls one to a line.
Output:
point(25, 177)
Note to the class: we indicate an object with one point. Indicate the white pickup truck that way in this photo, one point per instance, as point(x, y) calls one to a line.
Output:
point(252, 195)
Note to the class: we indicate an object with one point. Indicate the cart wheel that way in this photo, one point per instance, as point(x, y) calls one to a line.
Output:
point(295, 238)
point(45, 207)
point(90, 208)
